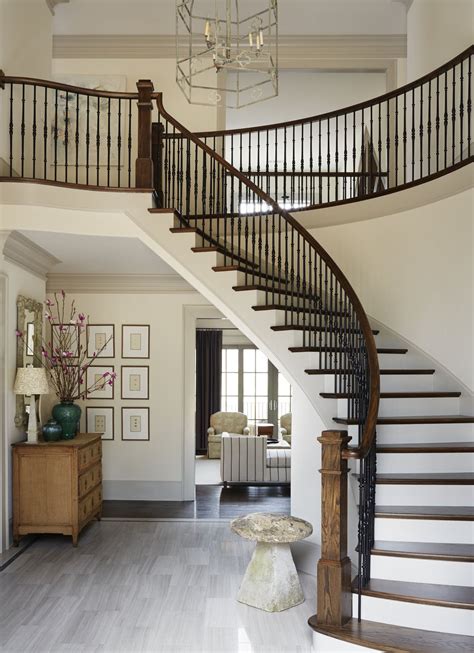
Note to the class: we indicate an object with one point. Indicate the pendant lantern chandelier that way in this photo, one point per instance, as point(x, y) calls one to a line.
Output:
point(227, 55)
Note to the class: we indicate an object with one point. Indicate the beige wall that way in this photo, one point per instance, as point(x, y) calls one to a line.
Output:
point(437, 30)
point(145, 470)
point(161, 71)
point(413, 271)
point(16, 282)
point(26, 41)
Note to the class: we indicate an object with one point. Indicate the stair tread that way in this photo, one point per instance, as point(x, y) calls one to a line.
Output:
point(442, 513)
point(220, 249)
point(183, 230)
point(426, 478)
point(380, 350)
point(394, 395)
point(425, 447)
point(414, 419)
point(429, 550)
point(395, 639)
point(307, 327)
point(384, 371)
point(451, 596)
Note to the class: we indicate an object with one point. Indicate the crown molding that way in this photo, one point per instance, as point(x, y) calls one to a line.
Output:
point(52, 4)
point(118, 283)
point(325, 47)
point(21, 251)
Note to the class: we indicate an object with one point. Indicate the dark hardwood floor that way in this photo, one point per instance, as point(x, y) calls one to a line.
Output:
point(212, 502)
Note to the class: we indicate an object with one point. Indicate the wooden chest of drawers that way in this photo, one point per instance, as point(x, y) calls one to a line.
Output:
point(57, 486)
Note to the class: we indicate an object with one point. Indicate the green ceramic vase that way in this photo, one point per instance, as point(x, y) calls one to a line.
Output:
point(68, 415)
point(52, 431)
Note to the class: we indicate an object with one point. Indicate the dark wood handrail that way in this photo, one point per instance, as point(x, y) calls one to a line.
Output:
point(368, 434)
point(6, 79)
point(349, 109)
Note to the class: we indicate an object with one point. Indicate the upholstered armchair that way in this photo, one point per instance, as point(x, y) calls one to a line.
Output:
point(285, 430)
point(222, 422)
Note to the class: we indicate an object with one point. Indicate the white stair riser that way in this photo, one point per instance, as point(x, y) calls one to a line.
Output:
point(424, 495)
point(416, 570)
point(406, 382)
point(410, 406)
point(416, 615)
point(393, 382)
point(389, 463)
point(424, 530)
point(325, 644)
point(420, 432)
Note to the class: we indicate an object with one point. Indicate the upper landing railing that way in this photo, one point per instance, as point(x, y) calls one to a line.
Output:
point(408, 136)
point(66, 134)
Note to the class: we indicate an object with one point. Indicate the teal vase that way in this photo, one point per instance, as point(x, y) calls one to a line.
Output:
point(52, 431)
point(68, 415)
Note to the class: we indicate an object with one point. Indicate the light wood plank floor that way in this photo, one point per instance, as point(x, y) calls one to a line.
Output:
point(143, 586)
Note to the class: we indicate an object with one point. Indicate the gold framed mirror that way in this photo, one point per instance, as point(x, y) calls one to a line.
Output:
point(28, 349)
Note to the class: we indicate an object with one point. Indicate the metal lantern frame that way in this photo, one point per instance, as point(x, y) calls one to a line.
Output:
point(243, 52)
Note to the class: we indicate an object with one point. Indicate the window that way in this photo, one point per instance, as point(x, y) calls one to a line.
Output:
point(252, 385)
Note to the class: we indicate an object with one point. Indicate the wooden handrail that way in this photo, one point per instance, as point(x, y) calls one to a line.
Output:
point(368, 434)
point(380, 99)
point(43, 83)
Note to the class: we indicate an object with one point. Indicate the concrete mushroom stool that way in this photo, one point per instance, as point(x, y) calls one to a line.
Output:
point(271, 582)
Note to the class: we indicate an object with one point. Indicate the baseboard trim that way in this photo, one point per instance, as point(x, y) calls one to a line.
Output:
point(142, 490)
point(306, 555)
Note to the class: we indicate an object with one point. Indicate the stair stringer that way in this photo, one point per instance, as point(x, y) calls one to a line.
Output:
point(217, 287)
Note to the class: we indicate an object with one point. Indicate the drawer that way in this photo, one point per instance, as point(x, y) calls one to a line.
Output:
point(89, 455)
point(89, 479)
point(90, 504)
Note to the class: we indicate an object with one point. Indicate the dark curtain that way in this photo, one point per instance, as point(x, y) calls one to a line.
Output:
point(208, 382)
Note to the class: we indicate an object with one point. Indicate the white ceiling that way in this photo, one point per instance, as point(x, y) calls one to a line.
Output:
point(98, 254)
point(295, 16)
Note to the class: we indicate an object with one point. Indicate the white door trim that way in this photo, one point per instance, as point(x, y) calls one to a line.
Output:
point(191, 314)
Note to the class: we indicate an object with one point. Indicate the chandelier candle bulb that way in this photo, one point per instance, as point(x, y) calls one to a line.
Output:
point(250, 39)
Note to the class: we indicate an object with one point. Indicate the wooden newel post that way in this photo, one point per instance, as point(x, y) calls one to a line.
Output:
point(144, 163)
point(334, 602)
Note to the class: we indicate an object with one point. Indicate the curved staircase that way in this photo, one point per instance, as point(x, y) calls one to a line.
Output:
point(410, 451)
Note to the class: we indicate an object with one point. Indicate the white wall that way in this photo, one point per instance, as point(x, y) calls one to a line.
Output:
point(145, 470)
point(163, 74)
point(18, 282)
point(305, 93)
point(26, 40)
point(437, 30)
point(413, 271)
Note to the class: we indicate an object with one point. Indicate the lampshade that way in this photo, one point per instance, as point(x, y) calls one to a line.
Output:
point(31, 381)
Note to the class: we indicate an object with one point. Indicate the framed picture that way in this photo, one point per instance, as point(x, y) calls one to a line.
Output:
point(135, 424)
point(30, 339)
point(97, 337)
point(100, 419)
point(69, 335)
point(135, 382)
point(135, 341)
point(94, 375)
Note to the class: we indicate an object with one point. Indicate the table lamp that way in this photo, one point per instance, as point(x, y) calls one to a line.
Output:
point(31, 381)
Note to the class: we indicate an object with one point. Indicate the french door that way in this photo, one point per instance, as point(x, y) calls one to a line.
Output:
point(252, 385)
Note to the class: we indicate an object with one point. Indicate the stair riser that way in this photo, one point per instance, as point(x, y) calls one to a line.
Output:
point(416, 615)
point(419, 432)
point(325, 644)
point(411, 406)
point(424, 495)
point(422, 571)
point(393, 383)
point(388, 463)
point(424, 530)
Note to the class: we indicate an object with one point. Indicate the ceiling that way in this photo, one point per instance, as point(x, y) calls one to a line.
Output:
point(98, 254)
point(302, 17)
